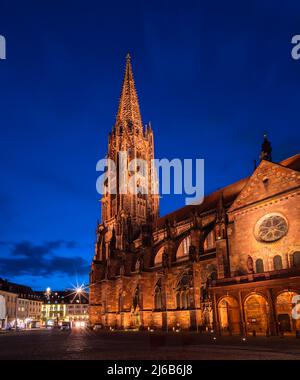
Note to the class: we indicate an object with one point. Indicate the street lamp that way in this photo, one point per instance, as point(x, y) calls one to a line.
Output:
point(78, 290)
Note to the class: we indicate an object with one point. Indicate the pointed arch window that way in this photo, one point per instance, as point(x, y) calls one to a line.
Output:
point(183, 299)
point(184, 247)
point(186, 244)
point(210, 241)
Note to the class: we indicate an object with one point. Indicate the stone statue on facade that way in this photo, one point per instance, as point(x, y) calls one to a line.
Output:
point(250, 266)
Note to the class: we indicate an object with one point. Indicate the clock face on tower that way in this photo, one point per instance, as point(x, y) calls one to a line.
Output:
point(271, 227)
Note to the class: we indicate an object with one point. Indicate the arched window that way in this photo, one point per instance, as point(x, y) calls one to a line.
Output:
point(183, 300)
point(296, 259)
point(210, 241)
point(183, 249)
point(158, 257)
point(186, 245)
point(259, 266)
point(277, 262)
point(158, 296)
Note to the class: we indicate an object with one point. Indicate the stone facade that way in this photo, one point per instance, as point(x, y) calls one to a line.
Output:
point(230, 264)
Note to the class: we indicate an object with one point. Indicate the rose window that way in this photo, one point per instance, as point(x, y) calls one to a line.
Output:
point(271, 228)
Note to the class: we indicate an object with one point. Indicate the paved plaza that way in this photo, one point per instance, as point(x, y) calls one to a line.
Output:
point(102, 345)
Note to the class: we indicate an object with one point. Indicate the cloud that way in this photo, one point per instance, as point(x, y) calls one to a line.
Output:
point(26, 258)
point(27, 249)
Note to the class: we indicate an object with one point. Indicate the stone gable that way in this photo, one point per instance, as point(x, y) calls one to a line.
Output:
point(268, 180)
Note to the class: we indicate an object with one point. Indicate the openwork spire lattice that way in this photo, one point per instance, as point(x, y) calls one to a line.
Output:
point(128, 114)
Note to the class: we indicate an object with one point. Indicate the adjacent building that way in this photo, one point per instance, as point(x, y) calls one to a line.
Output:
point(64, 306)
point(8, 308)
point(36, 308)
point(229, 265)
point(22, 304)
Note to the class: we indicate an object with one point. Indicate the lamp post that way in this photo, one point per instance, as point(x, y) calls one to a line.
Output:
point(78, 292)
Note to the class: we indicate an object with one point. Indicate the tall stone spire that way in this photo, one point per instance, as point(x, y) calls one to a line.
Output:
point(130, 138)
point(128, 115)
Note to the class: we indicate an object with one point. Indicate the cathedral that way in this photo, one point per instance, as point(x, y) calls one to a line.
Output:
point(230, 265)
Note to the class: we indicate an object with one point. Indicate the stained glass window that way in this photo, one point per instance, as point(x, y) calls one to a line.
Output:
point(271, 228)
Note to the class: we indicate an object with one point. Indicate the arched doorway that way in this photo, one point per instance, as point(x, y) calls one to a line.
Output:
point(256, 314)
point(229, 316)
point(284, 308)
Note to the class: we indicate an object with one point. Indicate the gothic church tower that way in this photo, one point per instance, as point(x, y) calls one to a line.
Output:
point(124, 214)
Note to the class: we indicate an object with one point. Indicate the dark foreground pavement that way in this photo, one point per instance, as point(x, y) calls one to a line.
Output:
point(86, 344)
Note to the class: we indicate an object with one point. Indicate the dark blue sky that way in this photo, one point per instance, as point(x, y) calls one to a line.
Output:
point(212, 76)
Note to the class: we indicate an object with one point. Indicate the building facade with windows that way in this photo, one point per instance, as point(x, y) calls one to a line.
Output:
point(8, 302)
point(22, 305)
point(230, 264)
point(64, 306)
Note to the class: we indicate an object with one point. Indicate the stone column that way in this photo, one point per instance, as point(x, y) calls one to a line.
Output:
point(196, 293)
point(272, 311)
point(242, 315)
point(216, 316)
point(195, 240)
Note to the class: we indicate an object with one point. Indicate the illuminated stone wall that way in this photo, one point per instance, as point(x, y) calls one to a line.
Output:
point(260, 199)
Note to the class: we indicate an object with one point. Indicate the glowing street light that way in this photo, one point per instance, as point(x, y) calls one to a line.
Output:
point(78, 290)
